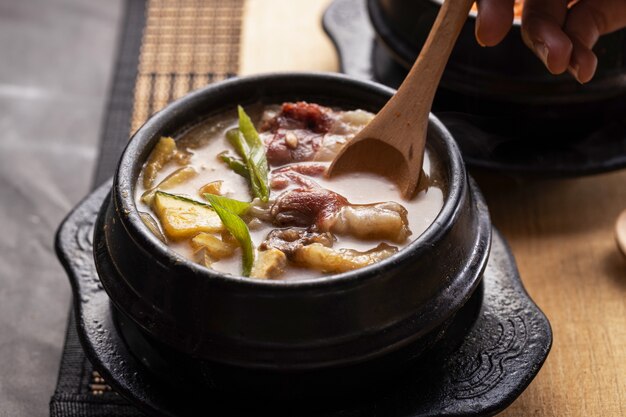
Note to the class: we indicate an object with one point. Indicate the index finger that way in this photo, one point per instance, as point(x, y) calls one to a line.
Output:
point(542, 22)
point(494, 20)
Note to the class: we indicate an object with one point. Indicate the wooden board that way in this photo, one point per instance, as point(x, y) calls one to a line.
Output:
point(284, 35)
point(561, 232)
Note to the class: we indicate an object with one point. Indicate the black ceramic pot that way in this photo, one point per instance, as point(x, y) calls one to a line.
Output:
point(508, 72)
point(305, 389)
point(290, 325)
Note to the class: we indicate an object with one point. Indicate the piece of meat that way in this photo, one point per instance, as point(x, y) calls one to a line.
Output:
point(308, 132)
point(330, 260)
point(297, 175)
point(300, 115)
point(282, 148)
point(306, 207)
point(326, 211)
point(296, 133)
point(290, 240)
point(378, 221)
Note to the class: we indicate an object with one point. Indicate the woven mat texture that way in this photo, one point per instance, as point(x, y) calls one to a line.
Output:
point(184, 45)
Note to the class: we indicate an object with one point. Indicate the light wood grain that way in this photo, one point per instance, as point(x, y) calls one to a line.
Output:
point(561, 232)
point(285, 35)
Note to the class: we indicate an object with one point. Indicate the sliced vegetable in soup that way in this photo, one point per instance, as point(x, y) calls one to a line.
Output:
point(248, 196)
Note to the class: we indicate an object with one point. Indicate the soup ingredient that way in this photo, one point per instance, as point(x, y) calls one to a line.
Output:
point(250, 148)
point(309, 132)
point(235, 164)
point(183, 218)
point(376, 221)
point(238, 208)
point(305, 208)
point(296, 174)
point(290, 240)
point(301, 115)
point(281, 150)
point(176, 178)
point(305, 226)
point(314, 250)
point(149, 221)
point(269, 263)
point(214, 187)
point(203, 258)
point(160, 155)
point(331, 212)
point(229, 211)
point(217, 249)
point(296, 133)
point(331, 260)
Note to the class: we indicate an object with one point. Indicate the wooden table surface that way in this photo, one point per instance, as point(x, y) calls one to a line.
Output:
point(561, 232)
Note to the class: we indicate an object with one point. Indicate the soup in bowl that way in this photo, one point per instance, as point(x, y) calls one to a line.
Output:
point(339, 271)
point(290, 220)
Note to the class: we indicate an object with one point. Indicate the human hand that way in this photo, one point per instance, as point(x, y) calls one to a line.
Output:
point(561, 35)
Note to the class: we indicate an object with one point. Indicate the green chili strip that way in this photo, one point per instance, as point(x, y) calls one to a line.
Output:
point(229, 211)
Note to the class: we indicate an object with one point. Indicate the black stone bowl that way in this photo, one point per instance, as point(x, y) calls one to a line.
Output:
point(508, 72)
point(327, 322)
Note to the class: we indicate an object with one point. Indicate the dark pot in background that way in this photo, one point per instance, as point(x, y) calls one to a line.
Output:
point(508, 72)
point(290, 325)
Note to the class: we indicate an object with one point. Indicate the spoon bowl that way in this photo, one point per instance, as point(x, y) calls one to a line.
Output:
point(365, 156)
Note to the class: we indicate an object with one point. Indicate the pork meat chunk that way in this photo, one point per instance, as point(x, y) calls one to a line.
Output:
point(326, 211)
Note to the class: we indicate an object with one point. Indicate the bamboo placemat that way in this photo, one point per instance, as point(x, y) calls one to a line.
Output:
point(184, 45)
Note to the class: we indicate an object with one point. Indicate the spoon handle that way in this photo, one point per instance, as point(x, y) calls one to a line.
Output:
point(436, 51)
point(411, 105)
point(392, 144)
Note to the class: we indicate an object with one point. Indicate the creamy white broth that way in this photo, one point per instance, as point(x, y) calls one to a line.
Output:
point(208, 140)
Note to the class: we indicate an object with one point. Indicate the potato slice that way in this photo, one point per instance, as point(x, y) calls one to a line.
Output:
point(214, 187)
point(213, 246)
point(329, 260)
point(160, 155)
point(183, 218)
point(177, 177)
point(269, 264)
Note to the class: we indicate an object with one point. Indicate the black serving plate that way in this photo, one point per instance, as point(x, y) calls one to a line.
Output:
point(517, 138)
point(493, 350)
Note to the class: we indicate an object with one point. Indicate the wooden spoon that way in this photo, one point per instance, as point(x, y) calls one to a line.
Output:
point(392, 144)
point(620, 232)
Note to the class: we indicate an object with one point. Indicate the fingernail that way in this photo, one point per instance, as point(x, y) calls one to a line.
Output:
point(573, 69)
point(542, 51)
